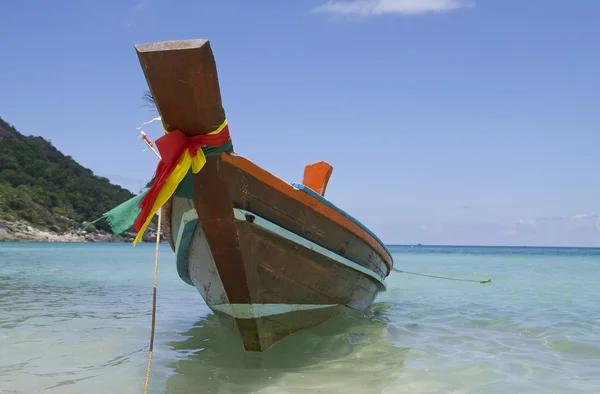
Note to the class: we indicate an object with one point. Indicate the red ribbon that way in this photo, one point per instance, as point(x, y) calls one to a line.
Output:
point(171, 146)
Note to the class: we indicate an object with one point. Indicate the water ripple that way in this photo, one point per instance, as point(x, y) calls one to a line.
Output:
point(76, 319)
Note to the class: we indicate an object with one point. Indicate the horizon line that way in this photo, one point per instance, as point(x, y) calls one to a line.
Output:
point(495, 246)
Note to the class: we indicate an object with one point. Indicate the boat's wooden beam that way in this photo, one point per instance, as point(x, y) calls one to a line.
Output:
point(182, 77)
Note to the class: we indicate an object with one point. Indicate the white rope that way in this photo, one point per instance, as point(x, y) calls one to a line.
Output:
point(443, 277)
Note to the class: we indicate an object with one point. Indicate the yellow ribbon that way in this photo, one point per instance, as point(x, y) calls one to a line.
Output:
point(181, 169)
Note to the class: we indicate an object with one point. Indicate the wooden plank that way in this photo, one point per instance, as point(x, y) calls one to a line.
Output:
point(203, 271)
point(319, 207)
point(301, 244)
point(295, 275)
point(215, 212)
point(247, 192)
point(182, 77)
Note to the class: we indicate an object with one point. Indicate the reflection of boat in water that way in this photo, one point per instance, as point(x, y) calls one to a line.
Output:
point(344, 354)
point(274, 257)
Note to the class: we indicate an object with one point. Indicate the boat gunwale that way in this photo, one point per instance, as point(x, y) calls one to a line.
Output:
point(320, 205)
point(314, 194)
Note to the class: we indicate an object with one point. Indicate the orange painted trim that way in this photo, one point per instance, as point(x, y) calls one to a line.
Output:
point(316, 176)
point(310, 201)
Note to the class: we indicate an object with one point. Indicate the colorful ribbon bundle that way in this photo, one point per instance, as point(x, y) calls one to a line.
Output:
point(178, 154)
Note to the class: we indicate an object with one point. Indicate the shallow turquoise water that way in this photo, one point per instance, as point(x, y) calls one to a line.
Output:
point(75, 318)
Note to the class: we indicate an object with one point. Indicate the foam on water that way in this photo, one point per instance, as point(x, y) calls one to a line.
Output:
point(75, 318)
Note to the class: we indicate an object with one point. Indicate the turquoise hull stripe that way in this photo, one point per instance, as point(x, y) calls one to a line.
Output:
point(240, 214)
point(184, 236)
point(255, 311)
point(329, 204)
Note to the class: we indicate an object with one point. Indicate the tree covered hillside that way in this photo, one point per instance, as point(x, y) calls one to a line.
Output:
point(46, 189)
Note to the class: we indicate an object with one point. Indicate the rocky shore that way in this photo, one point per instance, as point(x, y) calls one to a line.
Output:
point(21, 232)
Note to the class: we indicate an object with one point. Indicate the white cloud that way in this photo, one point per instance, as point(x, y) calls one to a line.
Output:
point(575, 224)
point(379, 7)
point(569, 228)
point(576, 229)
point(584, 223)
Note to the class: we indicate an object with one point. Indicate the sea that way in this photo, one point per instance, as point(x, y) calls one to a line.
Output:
point(75, 318)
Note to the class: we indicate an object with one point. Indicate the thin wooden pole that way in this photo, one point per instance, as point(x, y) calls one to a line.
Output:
point(153, 306)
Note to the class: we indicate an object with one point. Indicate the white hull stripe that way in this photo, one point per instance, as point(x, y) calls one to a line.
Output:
point(240, 214)
point(254, 311)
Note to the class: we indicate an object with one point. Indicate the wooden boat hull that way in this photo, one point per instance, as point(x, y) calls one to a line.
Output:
point(274, 265)
point(273, 257)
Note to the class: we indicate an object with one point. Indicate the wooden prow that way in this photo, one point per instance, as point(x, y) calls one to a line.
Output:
point(316, 176)
point(182, 77)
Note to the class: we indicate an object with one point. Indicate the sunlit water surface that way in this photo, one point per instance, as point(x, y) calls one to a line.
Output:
point(76, 319)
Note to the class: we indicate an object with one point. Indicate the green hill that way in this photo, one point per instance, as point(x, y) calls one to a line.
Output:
point(45, 189)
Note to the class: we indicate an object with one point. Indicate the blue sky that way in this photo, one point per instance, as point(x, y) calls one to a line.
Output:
point(446, 121)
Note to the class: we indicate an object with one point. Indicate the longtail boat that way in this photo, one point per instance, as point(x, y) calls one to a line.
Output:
point(271, 256)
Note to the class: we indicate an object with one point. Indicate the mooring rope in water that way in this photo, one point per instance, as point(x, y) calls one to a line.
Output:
point(442, 277)
point(153, 305)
